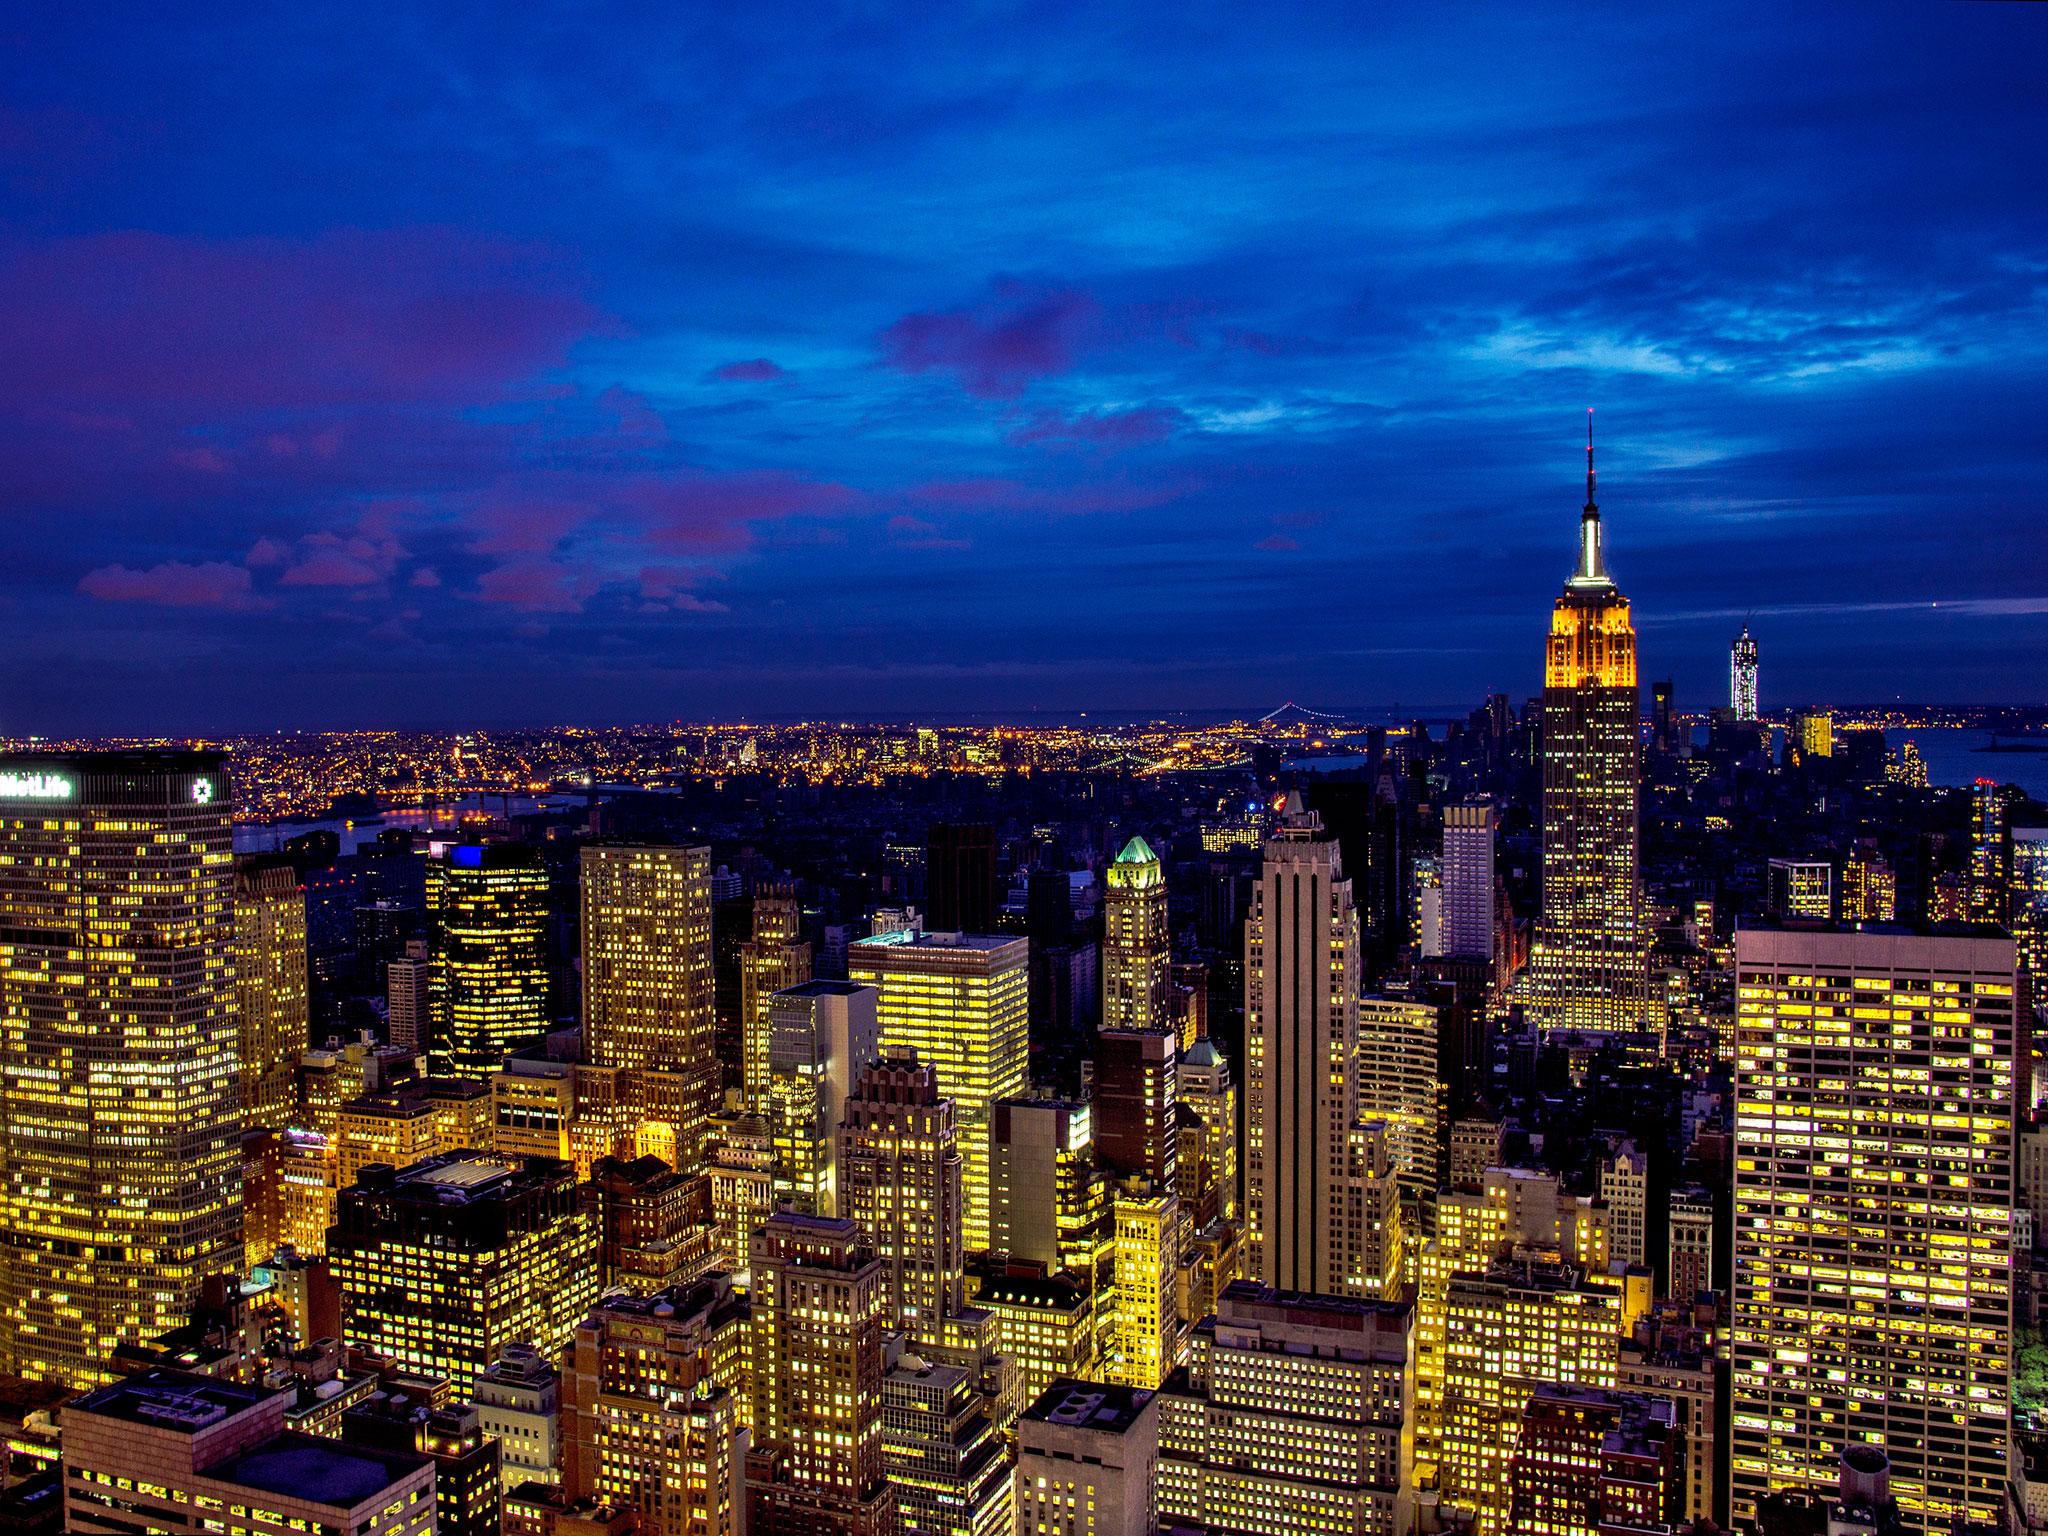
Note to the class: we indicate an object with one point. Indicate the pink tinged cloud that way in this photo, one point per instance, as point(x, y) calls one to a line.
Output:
point(537, 586)
point(995, 350)
point(175, 584)
point(750, 370)
point(335, 560)
point(1278, 544)
point(714, 512)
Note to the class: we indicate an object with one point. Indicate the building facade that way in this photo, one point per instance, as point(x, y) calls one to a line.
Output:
point(1589, 954)
point(1301, 1034)
point(443, 1264)
point(120, 1052)
point(1137, 940)
point(959, 1002)
point(647, 980)
point(489, 905)
point(1875, 1083)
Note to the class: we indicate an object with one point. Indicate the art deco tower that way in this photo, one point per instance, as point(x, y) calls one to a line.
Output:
point(1137, 940)
point(1589, 950)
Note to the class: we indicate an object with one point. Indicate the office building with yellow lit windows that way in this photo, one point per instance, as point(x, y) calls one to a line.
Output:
point(957, 1000)
point(442, 1264)
point(270, 987)
point(819, 1301)
point(120, 1102)
point(900, 1177)
point(647, 982)
point(489, 990)
point(1875, 1082)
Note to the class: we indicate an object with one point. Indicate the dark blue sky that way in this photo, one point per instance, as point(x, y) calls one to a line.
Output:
point(443, 364)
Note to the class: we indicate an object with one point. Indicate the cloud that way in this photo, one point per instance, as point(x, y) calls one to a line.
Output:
point(1106, 430)
point(425, 576)
point(996, 349)
point(338, 560)
point(751, 370)
point(175, 584)
point(1278, 544)
point(669, 586)
point(189, 326)
point(537, 586)
point(267, 551)
point(711, 512)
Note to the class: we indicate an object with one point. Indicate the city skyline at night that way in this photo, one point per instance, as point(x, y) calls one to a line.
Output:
point(824, 770)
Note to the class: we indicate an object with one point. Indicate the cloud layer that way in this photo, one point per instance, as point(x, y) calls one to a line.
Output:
point(787, 361)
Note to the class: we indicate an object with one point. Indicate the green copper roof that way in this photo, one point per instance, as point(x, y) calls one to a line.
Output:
point(1136, 868)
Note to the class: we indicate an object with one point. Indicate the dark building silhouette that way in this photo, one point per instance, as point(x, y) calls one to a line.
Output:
point(960, 877)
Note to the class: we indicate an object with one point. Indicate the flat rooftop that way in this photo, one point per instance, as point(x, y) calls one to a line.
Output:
point(907, 939)
point(824, 987)
point(1092, 1405)
point(175, 1400)
point(297, 1466)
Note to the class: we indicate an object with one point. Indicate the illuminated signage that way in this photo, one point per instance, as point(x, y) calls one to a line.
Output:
point(36, 786)
point(202, 791)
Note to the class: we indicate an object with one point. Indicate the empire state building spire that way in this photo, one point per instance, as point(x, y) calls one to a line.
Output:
point(1592, 571)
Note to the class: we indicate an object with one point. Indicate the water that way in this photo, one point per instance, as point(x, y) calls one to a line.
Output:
point(1951, 757)
point(444, 816)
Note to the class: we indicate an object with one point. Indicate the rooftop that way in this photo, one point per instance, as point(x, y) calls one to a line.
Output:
point(175, 1400)
point(312, 1467)
point(985, 943)
point(1089, 1405)
point(824, 987)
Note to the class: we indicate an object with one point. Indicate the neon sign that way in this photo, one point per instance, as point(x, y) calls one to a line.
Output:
point(36, 786)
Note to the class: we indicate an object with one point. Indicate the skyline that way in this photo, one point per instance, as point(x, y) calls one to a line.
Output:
point(808, 365)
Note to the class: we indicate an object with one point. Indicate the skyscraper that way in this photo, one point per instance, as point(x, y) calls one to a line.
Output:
point(2030, 900)
point(270, 987)
point(774, 958)
point(819, 1307)
point(650, 1422)
point(1468, 879)
point(489, 905)
point(120, 1107)
point(899, 1177)
point(647, 980)
point(1137, 940)
point(958, 1001)
point(1301, 1034)
point(821, 1035)
point(1742, 676)
point(1399, 1083)
point(1589, 956)
point(1875, 1075)
point(1136, 1103)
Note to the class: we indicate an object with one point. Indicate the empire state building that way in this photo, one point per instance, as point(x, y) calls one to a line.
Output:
point(1589, 957)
